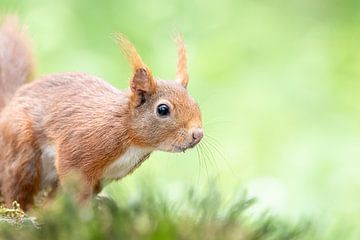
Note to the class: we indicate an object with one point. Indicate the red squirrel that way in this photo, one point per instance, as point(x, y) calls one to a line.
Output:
point(78, 122)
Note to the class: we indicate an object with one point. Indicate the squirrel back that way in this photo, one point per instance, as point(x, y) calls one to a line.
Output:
point(16, 63)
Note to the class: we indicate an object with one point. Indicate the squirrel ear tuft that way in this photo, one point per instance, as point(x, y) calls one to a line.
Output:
point(142, 81)
point(181, 73)
point(129, 51)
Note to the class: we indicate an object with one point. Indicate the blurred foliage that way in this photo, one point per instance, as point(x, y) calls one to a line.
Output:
point(148, 214)
point(277, 82)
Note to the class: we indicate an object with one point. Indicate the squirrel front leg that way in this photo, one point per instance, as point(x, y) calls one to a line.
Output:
point(84, 185)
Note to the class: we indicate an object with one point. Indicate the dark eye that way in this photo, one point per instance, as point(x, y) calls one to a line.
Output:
point(163, 110)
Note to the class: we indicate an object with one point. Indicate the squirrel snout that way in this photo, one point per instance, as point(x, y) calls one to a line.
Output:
point(197, 135)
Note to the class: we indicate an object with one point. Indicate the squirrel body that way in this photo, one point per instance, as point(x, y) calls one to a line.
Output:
point(78, 122)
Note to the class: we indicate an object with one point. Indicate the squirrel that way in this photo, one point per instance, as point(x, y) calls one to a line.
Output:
point(68, 122)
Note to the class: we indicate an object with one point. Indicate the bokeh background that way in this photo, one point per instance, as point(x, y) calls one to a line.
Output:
point(277, 82)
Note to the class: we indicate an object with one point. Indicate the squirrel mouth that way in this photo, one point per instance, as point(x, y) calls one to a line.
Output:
point(197, 135)
point(178, 148)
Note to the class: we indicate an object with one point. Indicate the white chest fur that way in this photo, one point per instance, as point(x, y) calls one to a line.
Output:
point(126, 162)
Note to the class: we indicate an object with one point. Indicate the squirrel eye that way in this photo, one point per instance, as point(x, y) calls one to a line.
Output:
point(163, 110)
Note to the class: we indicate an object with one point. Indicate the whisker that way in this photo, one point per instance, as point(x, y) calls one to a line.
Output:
point(216, 145)
point(217, 122)
point(204, 159)
point(205, 152)
point(213, 139)
point(212, 157)
point(200, 158)
point(218, 148)
point(199, 162)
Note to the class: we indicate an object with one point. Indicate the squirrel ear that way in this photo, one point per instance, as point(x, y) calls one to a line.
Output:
point(181, 73)
point(142, 80)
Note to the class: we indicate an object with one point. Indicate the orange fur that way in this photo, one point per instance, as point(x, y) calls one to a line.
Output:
point(143, 78)
point(69, 122)
point(181, 74)
point(16, 61)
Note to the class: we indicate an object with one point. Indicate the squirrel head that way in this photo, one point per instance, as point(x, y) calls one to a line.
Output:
point(163, 115)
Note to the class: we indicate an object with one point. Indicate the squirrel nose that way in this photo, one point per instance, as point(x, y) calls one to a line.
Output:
point(197, 135)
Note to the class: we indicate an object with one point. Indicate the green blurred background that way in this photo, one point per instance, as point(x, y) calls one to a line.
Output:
point(277, 82)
